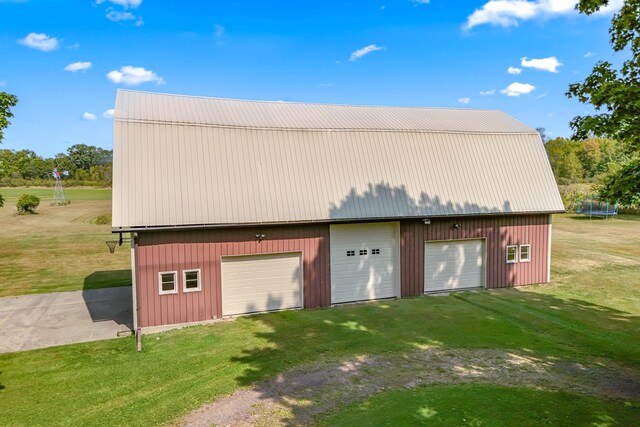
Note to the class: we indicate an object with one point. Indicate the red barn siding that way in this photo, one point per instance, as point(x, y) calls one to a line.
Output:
point(183, 250)
point(180, 250)
point(499, 232)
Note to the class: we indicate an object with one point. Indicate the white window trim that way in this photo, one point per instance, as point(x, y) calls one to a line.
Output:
point(184, 280)
point(175, 282)
point(528, 259)
point(507, 254)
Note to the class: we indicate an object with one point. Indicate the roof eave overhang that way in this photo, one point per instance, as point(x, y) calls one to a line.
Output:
point(134, 229)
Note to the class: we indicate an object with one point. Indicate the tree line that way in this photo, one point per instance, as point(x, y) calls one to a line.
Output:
point(81, 165)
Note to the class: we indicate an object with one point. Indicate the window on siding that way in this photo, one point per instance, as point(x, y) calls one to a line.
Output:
point(351, 253)
point(512, 254)
point(525, 253)
point(167, 282)
point(375, 251)
point(191, 280)
point(363, 251)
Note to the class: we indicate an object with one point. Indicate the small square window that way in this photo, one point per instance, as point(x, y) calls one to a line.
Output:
point(525, 253)
point(363, 251)
point(167, 281)
point(191, 280)
point(375, 251)
point(351, 253)
point(512, 254)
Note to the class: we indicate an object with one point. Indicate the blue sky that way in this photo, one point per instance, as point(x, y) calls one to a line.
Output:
point(437, 53)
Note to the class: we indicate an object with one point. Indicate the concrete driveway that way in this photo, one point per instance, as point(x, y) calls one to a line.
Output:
point(45, 320)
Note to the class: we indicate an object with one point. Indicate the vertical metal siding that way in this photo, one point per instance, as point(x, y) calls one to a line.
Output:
point(499, 231)
point(183, 250)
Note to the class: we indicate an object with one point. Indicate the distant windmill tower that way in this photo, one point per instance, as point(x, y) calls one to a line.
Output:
point(58, 192)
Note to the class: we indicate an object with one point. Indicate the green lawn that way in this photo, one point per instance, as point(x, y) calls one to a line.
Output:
point(59, 249)
point(589, 314)
point(481, 405)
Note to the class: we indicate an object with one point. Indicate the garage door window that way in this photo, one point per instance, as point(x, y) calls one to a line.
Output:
point(191, 280)
point(167, 282)
point(512, 254)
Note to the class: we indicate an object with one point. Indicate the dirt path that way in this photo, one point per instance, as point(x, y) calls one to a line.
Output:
point(296, 397)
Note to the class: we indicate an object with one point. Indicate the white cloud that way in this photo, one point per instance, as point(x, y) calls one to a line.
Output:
point(78, 66)
point(416, 2)
point(487, 92)
point(134, 76)
point(116, 16)
point(88, 116)
point(218, 30)
point(514, 70)
point(464, 100)
point(549, 64)
point(3, 83)
point(108, 114)
point(40, 41)
point(517, 89)
point(588, 54)
point(507, 13)
point(139, 22)
point(74, 46)
point(364, 51)
point(325, 84)
point(133, 4)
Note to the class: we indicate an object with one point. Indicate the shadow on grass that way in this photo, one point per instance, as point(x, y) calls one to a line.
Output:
point(107, 279)
point(556, 332)
point(107, 295)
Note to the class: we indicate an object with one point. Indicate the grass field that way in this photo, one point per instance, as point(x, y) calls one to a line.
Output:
point(588, 318)
point(59, 249)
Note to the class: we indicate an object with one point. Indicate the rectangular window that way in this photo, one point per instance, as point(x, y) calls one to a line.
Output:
point(167, 282)
point(363, 251)
point(351, 253)
point(191, 280)
point(375, 251)
point(512, 254)
point(525, 253)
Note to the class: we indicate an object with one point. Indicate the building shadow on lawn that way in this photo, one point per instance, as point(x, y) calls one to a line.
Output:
point(112, 303)
point(554, 333)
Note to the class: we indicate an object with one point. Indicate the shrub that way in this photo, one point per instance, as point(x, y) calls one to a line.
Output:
point(27, 203)
point(103, 219)
point(1, 201)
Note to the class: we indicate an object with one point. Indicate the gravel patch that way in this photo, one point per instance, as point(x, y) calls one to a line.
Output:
point(298, 396)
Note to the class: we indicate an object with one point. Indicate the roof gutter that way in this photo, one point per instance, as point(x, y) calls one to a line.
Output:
point(129, 229)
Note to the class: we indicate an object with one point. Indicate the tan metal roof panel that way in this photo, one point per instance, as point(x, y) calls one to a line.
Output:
point(163, 108)
point(179, 173)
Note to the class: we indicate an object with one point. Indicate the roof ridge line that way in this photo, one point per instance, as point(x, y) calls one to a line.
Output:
point(221, 126)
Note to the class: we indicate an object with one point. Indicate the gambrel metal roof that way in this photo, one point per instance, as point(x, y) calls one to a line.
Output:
point(192, 161)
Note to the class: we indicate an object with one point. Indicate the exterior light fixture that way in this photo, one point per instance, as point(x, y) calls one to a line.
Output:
point(259, 237)
point(427, 221)
point(456, 226)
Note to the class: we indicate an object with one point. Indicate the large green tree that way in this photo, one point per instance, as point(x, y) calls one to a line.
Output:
point(6, 102)
point(615, 95)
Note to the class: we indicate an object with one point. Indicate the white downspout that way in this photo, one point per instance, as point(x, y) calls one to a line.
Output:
point(133, 282)
point(549, 251)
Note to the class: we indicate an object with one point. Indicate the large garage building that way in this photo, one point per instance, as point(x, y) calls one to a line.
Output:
point(238, 207)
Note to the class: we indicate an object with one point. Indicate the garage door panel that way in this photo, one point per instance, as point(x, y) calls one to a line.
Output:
point(256, 283)
point(364, 277)
point(453, 265)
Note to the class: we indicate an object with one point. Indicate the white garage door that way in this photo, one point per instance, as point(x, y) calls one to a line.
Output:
point(453, 265)
point(364, 261)
point(257, 283)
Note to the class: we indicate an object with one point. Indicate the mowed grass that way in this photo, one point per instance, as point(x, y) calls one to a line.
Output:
point(59, 248)
point(590, 314)
point(481, 405)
